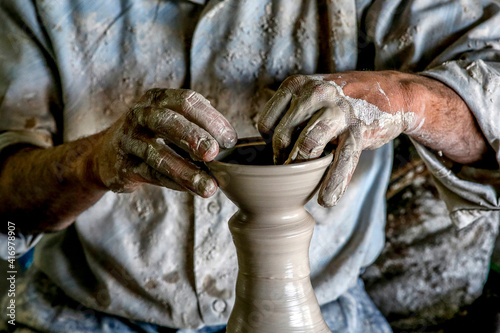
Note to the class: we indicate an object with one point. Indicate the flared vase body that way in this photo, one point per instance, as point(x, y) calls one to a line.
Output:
point(272, 233)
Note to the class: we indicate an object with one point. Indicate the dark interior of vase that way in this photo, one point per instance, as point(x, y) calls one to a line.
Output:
point(250, 154)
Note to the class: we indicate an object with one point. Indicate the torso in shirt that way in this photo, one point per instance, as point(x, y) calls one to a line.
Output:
point(164, 256)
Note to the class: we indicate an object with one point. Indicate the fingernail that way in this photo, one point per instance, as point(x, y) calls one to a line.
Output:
point(279, 158)
point(338, 193)
point(333, 200)
point(208, 149)
point(330, 200)
point(292, 157)
point(229, 136)
point(206, 187)
point(275, 159)
point(327, 202)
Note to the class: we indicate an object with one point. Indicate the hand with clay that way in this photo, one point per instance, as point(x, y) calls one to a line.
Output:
point(156, 142)
point(365, 110)
point(143, 145)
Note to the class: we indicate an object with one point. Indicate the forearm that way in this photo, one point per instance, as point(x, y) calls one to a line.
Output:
point(44, 190)
point(445, 122)
point(435, 114)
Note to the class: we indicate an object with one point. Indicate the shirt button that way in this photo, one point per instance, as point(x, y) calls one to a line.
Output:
point(213, 207)
point(219, 305)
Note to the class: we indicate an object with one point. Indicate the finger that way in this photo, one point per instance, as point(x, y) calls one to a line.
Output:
point(313, 96)
point(276, 107)
point(344, 164)
point(314, 137)
point(166, 161)
point(178, 130)
point(151, 176)
point(324, 127)
point(197, 109)
point(273, 112)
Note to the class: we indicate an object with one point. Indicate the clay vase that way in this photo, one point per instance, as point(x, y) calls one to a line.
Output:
point(272, 232)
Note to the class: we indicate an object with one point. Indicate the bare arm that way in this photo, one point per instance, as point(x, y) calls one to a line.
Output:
point(442, 120)
point(46, 189)
point(365, 110)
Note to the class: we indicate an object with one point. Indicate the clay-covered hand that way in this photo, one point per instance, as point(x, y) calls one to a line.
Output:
point(142, 146)
point(356, 111)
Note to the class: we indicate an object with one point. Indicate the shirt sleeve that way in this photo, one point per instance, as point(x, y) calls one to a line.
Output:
point(457, 43)
point(28, 93)
point(22, 244)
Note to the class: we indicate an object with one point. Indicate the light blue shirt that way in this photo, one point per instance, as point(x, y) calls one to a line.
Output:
point(70, 68)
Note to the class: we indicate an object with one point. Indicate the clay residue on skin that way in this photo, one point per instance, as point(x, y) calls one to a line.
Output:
point(385, 95)
point(203, 184)
point(354, 123)
point(30, 123)
point(391, 124)
point(356, 115)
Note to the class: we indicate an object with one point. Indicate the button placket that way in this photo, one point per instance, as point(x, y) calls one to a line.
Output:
point(213, 207)
point(214, 258)
point(219, 305)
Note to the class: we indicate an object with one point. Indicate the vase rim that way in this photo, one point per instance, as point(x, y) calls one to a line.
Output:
point(299, 167)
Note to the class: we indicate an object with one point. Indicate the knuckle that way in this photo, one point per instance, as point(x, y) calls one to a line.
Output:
point(293, 82)
point(133, 113)
point(151, 155)
point(321, 88)
point(346, 153)
point(280, 140)
point(346, 107)
point(294, 79)
point(189, 98)
point(139, 115)
point(153, 95)
point(309, 145)
point(263, 126)
point(187, 93)
point(162, 120)
point(265, 118)
point(123, 144)
point(317, 87)
point(185, 105)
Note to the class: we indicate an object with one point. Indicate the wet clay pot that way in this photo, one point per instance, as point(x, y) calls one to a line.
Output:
point(272, 232)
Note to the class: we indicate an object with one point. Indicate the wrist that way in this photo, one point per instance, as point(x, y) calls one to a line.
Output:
point(88, 172)
point(415, 93)
point(391, 91)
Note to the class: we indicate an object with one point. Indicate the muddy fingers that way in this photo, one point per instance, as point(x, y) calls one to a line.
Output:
point(176, 129)
point(141, 146)
point(168, 163)
point(310, 111)
point(340, 172)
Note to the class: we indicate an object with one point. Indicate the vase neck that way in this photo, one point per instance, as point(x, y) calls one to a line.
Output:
point(277, 244)
point(272, 215)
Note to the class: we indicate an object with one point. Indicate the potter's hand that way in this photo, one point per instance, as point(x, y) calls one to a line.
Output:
point(364, 110)
point(139, 147)
point(308, 112)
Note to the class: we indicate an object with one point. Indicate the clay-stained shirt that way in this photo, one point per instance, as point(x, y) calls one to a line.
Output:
point(70, 68)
